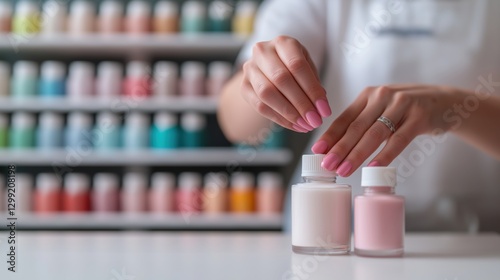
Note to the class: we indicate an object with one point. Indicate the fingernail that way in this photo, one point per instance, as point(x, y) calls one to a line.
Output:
point(374, 163)
point(330, 161)
point(344, 169)
point(301, 122)
point(314, 119)
point(319, 147)
point(299, 129)
point(323, 108)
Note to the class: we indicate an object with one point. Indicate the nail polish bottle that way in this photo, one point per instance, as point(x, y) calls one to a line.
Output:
point(193, 130)
point(5, 17)
point(105, 194)
point(107, 132)
point(379, 223)
point(193, 17)
point(188, 196)
point(52, 79)
point(244, 17)
point(321, 211)
point(53, 18)
point(26, 18)
point(275, 139)
point(4, 79)
point(138, 19)
point(242, 193)
point(24, 79)
point(215, 193)
point(22, 132)
point(78, 134)
point(137, 84)
point(4, 128)
point(110, 19)
point(3, 195)
point(109, 80)
point(136, 131)
point(165, 133)
point(50, 131)
point(76, 195)
point(219, 73)
point(47, 197)
point(269, 193)
point(193, 79)
point(166, 17)
point(166, 74)
point(81, 18)
point(24, 193)
point(161, 194)
point(219, 16)
point(80, 83)
point(133, 196)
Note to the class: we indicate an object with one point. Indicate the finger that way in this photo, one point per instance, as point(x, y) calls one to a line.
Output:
point(311, 62)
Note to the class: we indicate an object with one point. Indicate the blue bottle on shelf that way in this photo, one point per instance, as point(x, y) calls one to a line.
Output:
point(136, 131)
point(165, 131)
point(52, 79)
point(78, 133)
point(276, 139)
point(24, 79)
point(193, 17)
point(107, 132)
point(193, 130)
point(22, 132)
point(50, 131)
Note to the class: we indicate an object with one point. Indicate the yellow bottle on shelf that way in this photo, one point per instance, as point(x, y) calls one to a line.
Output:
point(26, 18)
point(242, 194)
point(244, 16)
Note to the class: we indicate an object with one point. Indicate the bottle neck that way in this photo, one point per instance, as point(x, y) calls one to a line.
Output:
point(378, 190)
point(310, 179)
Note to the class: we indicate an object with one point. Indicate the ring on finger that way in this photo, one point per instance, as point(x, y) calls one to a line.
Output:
point(387, 123)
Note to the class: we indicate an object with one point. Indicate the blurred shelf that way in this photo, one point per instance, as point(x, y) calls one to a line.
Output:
point(178, 157)
point(174, 104)
point(174, 221)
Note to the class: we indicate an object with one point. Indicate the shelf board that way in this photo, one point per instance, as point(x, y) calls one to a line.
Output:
point(178, 157)
point(173, 104)
point(175, 221)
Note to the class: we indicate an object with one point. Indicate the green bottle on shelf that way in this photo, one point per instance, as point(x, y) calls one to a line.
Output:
point(22, 133)
point(276, 139)
point(193, 130)
point(193, 19)
point(165, 132)
point(24, 79)
point(4, 127)
point(219, 16)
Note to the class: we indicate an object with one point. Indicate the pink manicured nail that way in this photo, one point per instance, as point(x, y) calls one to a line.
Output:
point(374, 163)
point(323, 108)
point(301, 122)
point(314, 119)
point(344, 169)
point(319, 147)
point(330, 161)
point(299, 129)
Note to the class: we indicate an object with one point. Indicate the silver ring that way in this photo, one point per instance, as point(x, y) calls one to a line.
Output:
point(387, 123)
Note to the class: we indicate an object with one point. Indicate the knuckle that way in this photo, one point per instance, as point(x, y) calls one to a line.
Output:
point(401, 99)
point(259, 48)
point(341, 148)
point(261, 107)
point(377, 133)
point(264, 91)
point(358, 127)
point(281, 77)
point(282, 39)
point(381, 93)
point(247, 66)
point(297, 64)
point(358, 155)
point(400, 140)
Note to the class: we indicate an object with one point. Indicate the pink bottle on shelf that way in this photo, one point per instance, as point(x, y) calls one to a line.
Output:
point(218, 74)
point(188, 196)
point(161, 194)
point(379, 215)
point(47, 197)
point(133, 196)
point(109, 80)
point(105, 194)
point(110, 20)
point(80, 82)
point(76, 195)
point(81, 17)
point(138, 18)
point(166, 74)
point(137, 84)
point(192, 79)
point(269, 193)
point(24, 193)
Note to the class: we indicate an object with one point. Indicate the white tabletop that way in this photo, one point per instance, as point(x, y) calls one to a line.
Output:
point(163, 255)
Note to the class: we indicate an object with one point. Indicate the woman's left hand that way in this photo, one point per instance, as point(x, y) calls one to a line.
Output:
point(358, 132)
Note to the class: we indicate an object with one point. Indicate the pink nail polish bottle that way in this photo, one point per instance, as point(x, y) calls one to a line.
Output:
point(76, 196)
point(161, 194)
point(138, 19)
point(47, 198)
point(188, 196)
point(218, 74)
point(133, 197)
point(105, 193)
point(192, 79)
point(137, 84)
point(166, 74)
point(109, 80)
point(110, 17)
point(269, 193)
point(379, 215)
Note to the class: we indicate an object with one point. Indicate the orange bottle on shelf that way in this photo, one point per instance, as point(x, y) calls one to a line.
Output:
point(242, 193)
point(215, 199)
point(166, 17)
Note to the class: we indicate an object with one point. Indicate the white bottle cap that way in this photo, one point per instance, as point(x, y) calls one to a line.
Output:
point(195, 9)
point(53, 8)
point(193, 69)
point(53, 70)
point(138, 8)
point(5, 9)
point(190, 181)
point(193, 121)
point(4, 120)
point(220, 10)
point(270, 180)
point(76, 183)
point(246, 8)
point(79, 120)
point(111, 8)
point(378, 176)
point(48, 182)
point(311, 167)
point(107, 119)
point(82, 8)
point(4, 70)
point(105, 182)
point(164, 69)
point(51, 120)
point(242, 180)
point(81, 69)
point(220, 69)
point(163, 181)
point(25, 68)
point(23, 120)
point(136, 119)
point(166, 9)
point(110, 69)
point(134, 182)
point(216, 180)
point(26, 8)
point(138, 69)
point(165, 120)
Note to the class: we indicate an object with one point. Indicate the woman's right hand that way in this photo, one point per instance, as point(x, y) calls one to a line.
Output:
point(280, 82)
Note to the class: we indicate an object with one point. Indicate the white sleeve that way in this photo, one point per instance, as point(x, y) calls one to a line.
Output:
point(304, 20)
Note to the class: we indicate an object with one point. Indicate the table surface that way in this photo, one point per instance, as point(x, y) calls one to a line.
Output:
point(206, 255)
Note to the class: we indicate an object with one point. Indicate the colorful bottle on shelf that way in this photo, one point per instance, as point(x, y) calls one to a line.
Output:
point(275, 139)
point(321, 211)
point(50, 131)
point(81, 19)
point(219, 16)
point(26, 19)
point(193, 79)
point(379, 216)
point(244, 17)
point(138, 18)
point(165, 133)
point(242, 193)
point(110, 19)
point(22, 131)
point(4, 79)
point(3, 195)
point(219, 73)
point(76, 195)
point(188, 196)
point(80, 83)
point(166, 74)
point(24, 82)
point(5, 17)
point(52, 79)
point(137, 84)
point(109, 80)
point(133, 196)
point(4, 128)
point(105, 194)
point(107, 132)
point(47, 197)
point(215, 193)
point(193, 130)
point(24, 193)
point(78, 135)
point(136, 131)
point(53, 17)
point(162, 193)
point(166, 17)
point(269, 193)
point(193, 17)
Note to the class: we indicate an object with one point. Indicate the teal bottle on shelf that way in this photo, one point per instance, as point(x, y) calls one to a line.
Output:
point(4, 127)
point(22, 133)
point(193, 18)
point(107, 133)
point(136, 131)
point(165, 132)
point(219, 16)
point(50, 131)
point(52, 79)
point(24, 82)
point(193, 130)
point(276, 139)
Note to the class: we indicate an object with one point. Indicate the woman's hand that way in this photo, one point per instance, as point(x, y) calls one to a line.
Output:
point(281, 83)
point(356, 133)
